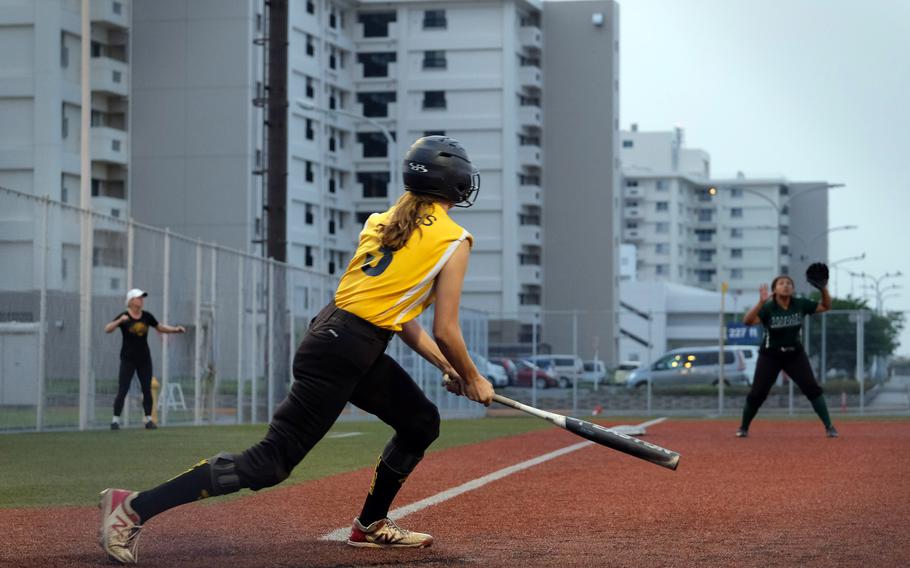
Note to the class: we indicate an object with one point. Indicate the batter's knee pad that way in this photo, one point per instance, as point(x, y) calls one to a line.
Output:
point(223, 469)
point(400, 460)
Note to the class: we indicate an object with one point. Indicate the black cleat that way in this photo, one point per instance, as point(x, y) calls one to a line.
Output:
point(831, 432)
point(115, 426)
point(151, 425)
point(742, 433)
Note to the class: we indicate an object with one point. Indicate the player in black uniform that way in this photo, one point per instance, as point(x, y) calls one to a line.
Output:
point(134, 324)
point(408, 257)
point(782, 314)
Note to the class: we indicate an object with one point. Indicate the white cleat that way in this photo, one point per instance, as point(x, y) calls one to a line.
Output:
point(119, 534)
point(384, 533)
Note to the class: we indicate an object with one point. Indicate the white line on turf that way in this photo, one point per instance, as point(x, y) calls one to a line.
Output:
point(395, 514)
point(343, 434)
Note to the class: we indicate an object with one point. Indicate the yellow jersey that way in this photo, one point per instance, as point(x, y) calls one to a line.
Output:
point(390, 288)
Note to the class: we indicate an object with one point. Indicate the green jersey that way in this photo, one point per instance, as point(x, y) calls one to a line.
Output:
point(784, 327)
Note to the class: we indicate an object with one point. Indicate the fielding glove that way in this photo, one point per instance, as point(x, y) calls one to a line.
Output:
point(817, 274)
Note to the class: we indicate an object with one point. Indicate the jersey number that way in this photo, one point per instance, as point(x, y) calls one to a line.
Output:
point(380, 267)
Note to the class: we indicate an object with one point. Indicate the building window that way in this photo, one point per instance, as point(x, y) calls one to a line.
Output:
point(64, 53)
point(784, 190)
point(662, 248)
point(375, 184)
point(376, 104)
point(736, 192)
point(331, 226)
point(332, 144)
point(310, 176)
point(310, 88)
point(436, 133)
point(736, 212)
point(663, 206)
point(311, 9)
point(663, 185)
point(374, 144)
point(332, 58)
point(631, 224)
point(310, 133)
point(434, 59)
point(705, 255)
point(736, 233)
point(117, 8)
point(376, 64)
point(434, 99)
point(662, 228)
point(705, 215)
point(332, 183)
point(662, 269)
point(736, 274)
point(308, 255)
point(434, 19)
point(736, 253)
point(333, 19)
point(308, 214)
point(627, 143)
point(376, 24)
point(310, 46)
point(631, 183)
point(96, 49)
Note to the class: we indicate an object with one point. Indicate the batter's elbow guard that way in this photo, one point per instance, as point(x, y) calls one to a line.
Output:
point(224, 474)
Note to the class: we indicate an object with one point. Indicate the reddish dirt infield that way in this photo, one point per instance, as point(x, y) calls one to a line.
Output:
point(787, 496)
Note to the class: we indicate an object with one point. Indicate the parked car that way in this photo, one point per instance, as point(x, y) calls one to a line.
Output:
point(509, 365)
point(594, 371)
point(622, 371)
point(494, 373)
point(691, 366)
point(528, 371)
point(750, 355)
point(566, 368)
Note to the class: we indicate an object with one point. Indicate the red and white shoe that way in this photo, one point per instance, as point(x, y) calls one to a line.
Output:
point(119, 534)
point(384, 533)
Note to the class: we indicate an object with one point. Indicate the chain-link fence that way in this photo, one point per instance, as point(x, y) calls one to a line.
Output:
point(244, 317)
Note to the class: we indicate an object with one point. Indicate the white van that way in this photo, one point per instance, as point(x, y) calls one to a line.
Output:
point(566, 368)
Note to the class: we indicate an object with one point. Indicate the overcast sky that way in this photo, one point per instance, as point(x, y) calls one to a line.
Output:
point(807, 89)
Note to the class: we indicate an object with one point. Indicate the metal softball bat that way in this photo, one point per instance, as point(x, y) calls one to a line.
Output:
point(600, 435)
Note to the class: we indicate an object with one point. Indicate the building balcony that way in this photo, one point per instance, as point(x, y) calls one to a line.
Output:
point(632, 235)
point(633, 213)
point(530, 116)
point(530, 156)
point(111, 207)
point(109, 145)
point(530, 77)
point(390, 37)
point(114, 13)
point(632, 191)
point(530, 37)
point(530, 235)
point(529, 194)
point(110, 76)
point(390, 76)
point(529, 274)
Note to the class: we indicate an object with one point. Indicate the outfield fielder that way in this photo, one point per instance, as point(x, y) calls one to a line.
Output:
point(781, 348)
point(135, 357)
point(408, 257)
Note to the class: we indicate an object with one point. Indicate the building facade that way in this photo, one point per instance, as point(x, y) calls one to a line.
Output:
point(40, 110)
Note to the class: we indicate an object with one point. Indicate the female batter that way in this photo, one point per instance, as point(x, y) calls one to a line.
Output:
point(781, 315)
point(408, 257)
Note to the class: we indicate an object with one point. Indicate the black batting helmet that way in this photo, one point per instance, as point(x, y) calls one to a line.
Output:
point(439, 166)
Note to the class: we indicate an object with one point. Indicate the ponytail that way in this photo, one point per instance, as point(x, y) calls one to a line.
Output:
point(409, 211)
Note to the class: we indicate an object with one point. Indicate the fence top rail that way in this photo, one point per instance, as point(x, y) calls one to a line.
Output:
point(131, 222)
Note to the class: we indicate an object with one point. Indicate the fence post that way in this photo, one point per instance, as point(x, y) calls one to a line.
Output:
point(213, 336)
point(240, 342)
point(86, 406)
point(42, 315)
point(270, 341)
point(575, 353)
point(534, 321)
point(824, 347)
point(197, 339)
point(860, 366)
point(164, 399)
point(254, 329)
point(292, 325)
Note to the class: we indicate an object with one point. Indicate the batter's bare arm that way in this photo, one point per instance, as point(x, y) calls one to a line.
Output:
point(415, 337)
point(163, 328)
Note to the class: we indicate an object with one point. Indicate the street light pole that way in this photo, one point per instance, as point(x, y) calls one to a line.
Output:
point(394, 178)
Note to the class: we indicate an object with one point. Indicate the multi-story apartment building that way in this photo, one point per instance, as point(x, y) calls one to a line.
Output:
point(40, 107)
point(690, 228)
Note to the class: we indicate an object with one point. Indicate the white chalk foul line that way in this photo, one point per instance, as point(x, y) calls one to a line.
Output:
point(395, 514)
point(343, 434)
point(342, 533)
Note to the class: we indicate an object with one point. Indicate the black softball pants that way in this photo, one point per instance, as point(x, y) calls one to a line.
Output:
point(144, 370)
point(341, 359)
point(770, 363)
